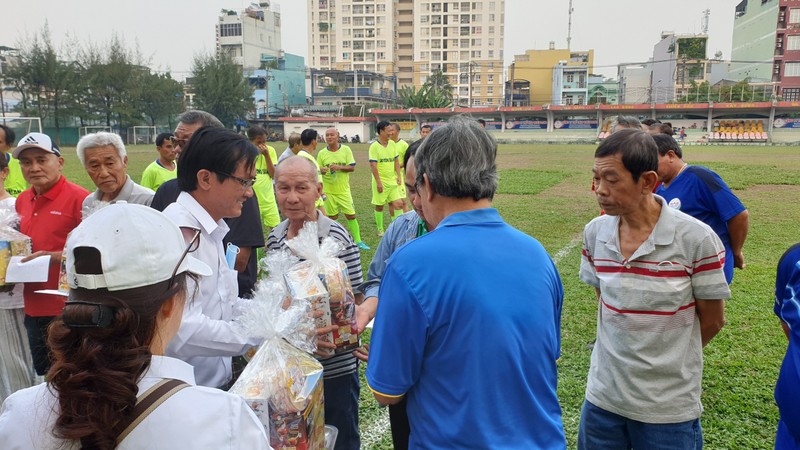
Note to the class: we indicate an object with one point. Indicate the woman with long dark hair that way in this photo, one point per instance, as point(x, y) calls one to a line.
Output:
point(110, 385)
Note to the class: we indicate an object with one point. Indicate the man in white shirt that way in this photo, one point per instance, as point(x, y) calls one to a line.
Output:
point(216, 177)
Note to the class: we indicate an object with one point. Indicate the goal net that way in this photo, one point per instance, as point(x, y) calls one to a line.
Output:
point(83, 131)
point(140, 135)
point(22, 125)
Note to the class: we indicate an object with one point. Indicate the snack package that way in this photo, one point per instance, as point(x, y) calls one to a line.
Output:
point(322, 279)
point(12, 242)
point(282, 383)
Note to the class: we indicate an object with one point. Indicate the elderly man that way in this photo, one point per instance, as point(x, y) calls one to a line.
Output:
point(297, 188)
point(216, 177)
point(245, 230)
point(15, 182)
point(336, 162)
point(441, 335)
point(105, 160)
point(660, 288)
point(701, 193)
point(48, 211)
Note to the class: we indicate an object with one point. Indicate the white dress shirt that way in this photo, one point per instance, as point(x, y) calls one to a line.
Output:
point(208, 338)
point(195, 417)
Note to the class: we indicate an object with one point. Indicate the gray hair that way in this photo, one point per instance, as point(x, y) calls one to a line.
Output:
point(459, 159)
point(100, 139)
point(305, 163)
point(201, 117)
point(628, 122)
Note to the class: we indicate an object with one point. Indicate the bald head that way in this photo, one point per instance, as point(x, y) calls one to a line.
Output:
point(297, 165)
point(332, 138)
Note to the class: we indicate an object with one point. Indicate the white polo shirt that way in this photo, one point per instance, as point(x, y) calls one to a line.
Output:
point(195, 417)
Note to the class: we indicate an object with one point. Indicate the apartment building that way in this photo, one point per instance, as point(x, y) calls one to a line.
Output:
point(557, 76)
point(409, 39)
point(250, 37)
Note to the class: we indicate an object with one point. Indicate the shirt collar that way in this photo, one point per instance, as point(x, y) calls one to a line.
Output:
point(323, 227)
point(166, 367)
point(662, 234)
point(203, 217)
point(124, 193)
point(54, 191)
point(481, 215)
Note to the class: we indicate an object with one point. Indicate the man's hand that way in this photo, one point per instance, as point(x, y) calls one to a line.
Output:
point(325, 344)
point(399, 181)
point(55, 257)
point(365, 312)
point(380, 187)
point(738, 260)
point(362, 353)
point(323, 170)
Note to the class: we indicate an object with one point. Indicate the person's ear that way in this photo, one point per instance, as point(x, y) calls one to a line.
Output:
point(428, 191)
point(204, 179)
point(649, 181)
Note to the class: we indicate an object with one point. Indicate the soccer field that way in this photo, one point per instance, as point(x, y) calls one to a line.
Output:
point(545, 192)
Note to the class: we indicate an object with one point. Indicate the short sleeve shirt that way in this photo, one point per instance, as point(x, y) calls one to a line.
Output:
point(15, 182)
point(787, 307)
point(48, 219)
point(155, 175)
point(384, 157)
point(402, 147)
point(336, 182)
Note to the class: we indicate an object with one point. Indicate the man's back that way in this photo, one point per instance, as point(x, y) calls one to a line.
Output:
point(479, 362)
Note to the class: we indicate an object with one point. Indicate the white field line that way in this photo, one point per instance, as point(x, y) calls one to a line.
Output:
point(376, 430)
point(379, 428)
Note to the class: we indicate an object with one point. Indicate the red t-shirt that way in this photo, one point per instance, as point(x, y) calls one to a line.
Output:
point(48, 219)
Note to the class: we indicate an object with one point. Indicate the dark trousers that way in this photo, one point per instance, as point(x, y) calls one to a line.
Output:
point(341, 409)
point(398, 419)
point(37, 338)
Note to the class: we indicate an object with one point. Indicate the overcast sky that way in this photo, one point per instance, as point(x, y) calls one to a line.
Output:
point(170, 32)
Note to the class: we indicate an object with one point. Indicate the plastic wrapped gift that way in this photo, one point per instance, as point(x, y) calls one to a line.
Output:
point(322, 279)
point(12, 242)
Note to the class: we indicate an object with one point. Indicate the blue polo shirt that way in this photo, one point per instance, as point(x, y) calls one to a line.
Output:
point(468, 327)
point(701, 193)
point(787, 390)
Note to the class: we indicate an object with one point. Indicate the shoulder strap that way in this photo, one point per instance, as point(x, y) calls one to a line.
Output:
point(148, 402)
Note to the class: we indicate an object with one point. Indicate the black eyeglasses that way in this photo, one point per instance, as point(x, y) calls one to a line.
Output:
point(244, 182)
point(192, 246)
point(178, 142)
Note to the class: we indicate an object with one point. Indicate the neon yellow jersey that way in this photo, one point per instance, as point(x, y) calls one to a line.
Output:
point(385, 158)
point(262, 174)
point(308, 156)
point(336, 182)
point(155, 175)
point(15, 182)
point(402, 146)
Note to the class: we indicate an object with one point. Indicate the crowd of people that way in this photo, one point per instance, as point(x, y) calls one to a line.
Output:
point(141, 349)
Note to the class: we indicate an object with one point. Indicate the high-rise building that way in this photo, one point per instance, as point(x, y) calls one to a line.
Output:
point(679, 60)
point(411, 39)
point(250, 37)
point(766, 44)
point(557, 75)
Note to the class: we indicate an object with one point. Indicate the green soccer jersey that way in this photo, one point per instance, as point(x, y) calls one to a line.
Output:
point(15, 182)
point(385, 158)
point(402, 146)
point(262, 174)
point(336, 182)
point(155, 175)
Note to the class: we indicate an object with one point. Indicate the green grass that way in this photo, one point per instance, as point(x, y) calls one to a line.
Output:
point(544, 191)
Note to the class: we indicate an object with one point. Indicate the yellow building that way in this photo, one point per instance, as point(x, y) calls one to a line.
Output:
point(536, 66)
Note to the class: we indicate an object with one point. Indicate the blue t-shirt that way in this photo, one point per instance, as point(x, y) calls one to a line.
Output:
point(787, 307)
point(468, 328)
point(702, 194)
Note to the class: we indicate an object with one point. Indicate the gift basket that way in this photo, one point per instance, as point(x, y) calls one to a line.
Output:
point(12, 242)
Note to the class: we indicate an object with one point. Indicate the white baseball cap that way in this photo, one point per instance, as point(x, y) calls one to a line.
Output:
point(36, 140)
point(138, 247)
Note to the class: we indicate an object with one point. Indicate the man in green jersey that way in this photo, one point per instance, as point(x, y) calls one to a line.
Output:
point(164, 168)
point(336, 162)
point(15, 183)
point(402, 147)
point(265, 171)
point(386, 178)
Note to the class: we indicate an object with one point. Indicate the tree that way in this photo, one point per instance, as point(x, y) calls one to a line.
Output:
point(111, 74)
point(159, 97)
point(220, 88)
point(437, 92)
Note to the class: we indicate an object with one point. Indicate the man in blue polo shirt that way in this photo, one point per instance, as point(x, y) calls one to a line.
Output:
point(701, 193)
point(472, 345)
point(787, 308)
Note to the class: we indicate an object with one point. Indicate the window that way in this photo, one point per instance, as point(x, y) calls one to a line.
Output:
point(478, 77)
point(794, 15)
point(345, 21)
point(791, 69)
point(491, 29)
point(490, 90)
point(793, 42)
point(491, 53)
point(345, 44)
point(476, 30)
point(381, 43)
point(381, 8)
point(490, 78)
point(570, 78)
point(791, 94)
point(346, 55)
point(491, 17)
point(476, 53)
point(230, 29)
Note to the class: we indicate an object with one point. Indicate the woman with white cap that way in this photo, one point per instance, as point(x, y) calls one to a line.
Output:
point(110, 385)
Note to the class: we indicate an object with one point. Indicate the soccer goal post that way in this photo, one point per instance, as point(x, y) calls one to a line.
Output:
point(141, 135)
point(83, 131)
point(22, 125)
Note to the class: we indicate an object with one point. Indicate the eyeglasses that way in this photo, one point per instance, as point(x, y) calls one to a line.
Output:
point(192, 246)
point(244, 182)
point(178, 142)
